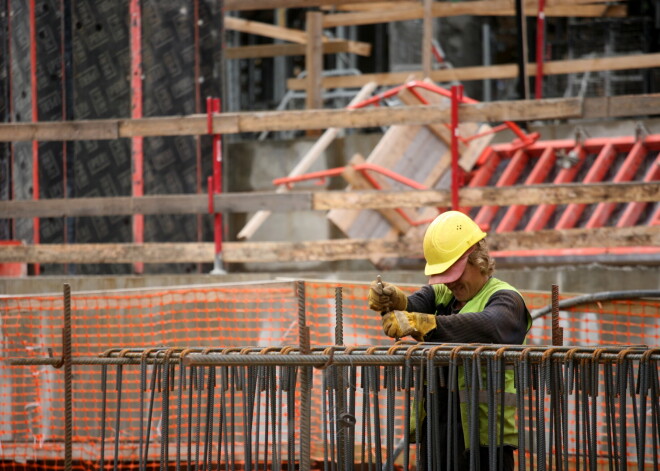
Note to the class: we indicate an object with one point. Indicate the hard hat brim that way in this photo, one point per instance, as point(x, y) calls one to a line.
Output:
point(454, 272)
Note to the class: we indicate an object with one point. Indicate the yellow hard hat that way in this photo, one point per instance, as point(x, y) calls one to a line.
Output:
point(447, 238)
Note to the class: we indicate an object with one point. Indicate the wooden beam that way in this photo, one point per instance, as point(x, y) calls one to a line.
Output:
point(157, 204)
point(427, 38)
point(265, 29)
point(567, 11)
point(61, 130)
point(233, 123)
point(238, 5)
point(358, 182)
point(302, 200)
point(273, 50)
point(314, 61)
point(200, 252)
point(481, 196)
point(441, 131)
point(502, 71)
point(373, 6)
point(383, 116)
point(402, 4)
point(304, 164)
point(350, 249)
point(475, 8)
point(316, 251)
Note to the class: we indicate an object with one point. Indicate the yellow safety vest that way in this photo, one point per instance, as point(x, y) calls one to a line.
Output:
point(477, 304)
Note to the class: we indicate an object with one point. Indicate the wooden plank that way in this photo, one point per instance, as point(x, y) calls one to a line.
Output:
point(468, 153)
point(415, 115)
point(314, 60)
point(598, 64)
point(273, 50)
point(427, 37)
point(156, 204)
point(476, 8)
point(373, 6)
point(386, 153)
point(305, 163)
point(177, 126)
point(238, 5)
point(268, 30)
point(324, 250)
point(357, 181)
point(384, 5)
point(441, 131)
point(502, 71)
point(399, 150)
point(568, 11)
point(112, 206)
point(232, 123)
point(620, 106)
point(328, 200)
point(60, 130)
point(354, 249)
point(201, 252)
point(503, 196)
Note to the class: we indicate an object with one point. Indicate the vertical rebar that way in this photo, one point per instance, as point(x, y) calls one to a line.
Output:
point(68, 378)
point(339, 317)
point(104, 398)
point(305, 383)
point(119, 380)
point(165, 414)
point(557, 332)
point(338, 372)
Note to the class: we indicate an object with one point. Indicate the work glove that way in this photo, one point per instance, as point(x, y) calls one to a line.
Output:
point(397, 324)
point(385, 296)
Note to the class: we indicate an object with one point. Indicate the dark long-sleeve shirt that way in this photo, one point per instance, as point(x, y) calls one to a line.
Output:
point(503, 320)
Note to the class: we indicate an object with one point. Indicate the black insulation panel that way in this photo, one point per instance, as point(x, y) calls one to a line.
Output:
point(85, 74)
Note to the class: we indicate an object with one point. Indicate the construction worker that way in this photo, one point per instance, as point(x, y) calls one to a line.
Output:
point(463, 303)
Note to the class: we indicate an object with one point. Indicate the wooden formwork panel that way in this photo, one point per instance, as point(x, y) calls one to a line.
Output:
point(420, 153)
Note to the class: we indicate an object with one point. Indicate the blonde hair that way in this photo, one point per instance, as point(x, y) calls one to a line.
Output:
point(480, 258)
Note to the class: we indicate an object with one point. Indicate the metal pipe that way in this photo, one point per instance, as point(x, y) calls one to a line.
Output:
point(596, 297)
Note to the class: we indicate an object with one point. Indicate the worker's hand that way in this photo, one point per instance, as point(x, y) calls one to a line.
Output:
point(398, 324)
point(385, 296)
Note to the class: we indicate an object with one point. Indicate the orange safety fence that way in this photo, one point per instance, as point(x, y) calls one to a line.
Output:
point(237, 315)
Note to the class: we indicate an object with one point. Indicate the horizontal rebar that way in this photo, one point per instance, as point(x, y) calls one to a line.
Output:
point(347, 356)
point(242, 405)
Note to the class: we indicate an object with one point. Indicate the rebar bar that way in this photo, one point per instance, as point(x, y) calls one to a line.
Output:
point(305, 383)
point(68, 379)
point(577, 407)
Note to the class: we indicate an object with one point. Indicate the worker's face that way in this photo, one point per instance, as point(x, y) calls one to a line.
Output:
point(468, 284)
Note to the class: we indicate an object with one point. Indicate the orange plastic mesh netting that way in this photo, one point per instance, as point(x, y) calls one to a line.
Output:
point(256, 314)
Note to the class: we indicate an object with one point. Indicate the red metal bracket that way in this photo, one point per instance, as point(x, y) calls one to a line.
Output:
point(364, 169)
point(524, 138)
point(456, 171)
